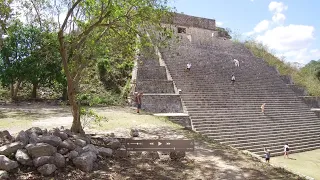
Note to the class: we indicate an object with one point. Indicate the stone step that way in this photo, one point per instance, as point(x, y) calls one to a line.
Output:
point(259, 137)
point(252, 123)
point(275, 142)
point(224, 131)
point(279, 151)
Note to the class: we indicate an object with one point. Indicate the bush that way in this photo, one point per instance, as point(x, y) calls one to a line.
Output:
point(304, 77)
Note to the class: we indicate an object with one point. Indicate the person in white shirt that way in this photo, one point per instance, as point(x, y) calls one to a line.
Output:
point(236, 62)
point(233, 79)
point(286, 151)
point(188, 66)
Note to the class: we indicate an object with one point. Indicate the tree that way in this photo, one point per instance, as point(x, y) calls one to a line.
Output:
point(5, 14)
point(86, 34)
point(29, 55)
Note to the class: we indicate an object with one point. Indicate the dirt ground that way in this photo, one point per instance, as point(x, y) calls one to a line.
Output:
point(210, 160)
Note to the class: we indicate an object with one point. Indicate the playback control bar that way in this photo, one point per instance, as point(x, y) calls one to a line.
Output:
point(159, 145)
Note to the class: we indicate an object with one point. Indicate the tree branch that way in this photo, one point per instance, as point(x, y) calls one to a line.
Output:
point(69, 13)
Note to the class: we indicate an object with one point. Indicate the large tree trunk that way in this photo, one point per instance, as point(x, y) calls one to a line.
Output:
point(64, 94)
point(72, 90)
point(34, 90)
point(16, 90)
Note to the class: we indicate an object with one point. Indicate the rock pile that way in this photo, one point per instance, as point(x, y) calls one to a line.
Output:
point(49, 150)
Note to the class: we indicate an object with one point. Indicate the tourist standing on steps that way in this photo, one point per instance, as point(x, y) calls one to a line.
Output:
point(286, 151)
point(262, 108)
point(138, 97)
point(267, 154)
point(233, 79)
point(188, 66)
point(236, 62)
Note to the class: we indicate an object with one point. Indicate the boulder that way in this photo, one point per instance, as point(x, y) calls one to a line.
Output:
point(35, 130)
point(51, 139)
point(150, 155)
point(177, 155)
point(47, 169)
point(78, 149)
point(85, 161)
point(114, 144)
point(8, 149)
point(45, 131)
point(63, 151)
point(91, 148)
point(59, 160)
point(105, 152)
point(40, 161)
point(23, 157)
point(5, 137)
point(80, 142)
point(68, 144)
point(62, 135)
point(72, 154)
point(7, 164)
point(134, 132)
point(40, 149)
point(68, 132)
point(85, 138)
point(4, 175)
point(23, 137)
point(33, 138)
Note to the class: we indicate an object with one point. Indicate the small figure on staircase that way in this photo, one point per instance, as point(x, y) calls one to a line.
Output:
point(233, 79)
point(262, 107)
point(267, 155)
point(286, 151)
point(138, 97)
point(188, 66)
point(236, 62)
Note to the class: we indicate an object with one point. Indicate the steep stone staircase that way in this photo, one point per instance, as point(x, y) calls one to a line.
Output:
point(230, 113)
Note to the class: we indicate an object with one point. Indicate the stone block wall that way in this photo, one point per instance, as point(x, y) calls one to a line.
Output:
point(286, 79)
point(299, 91)
point(157, 103)
point(155, 87)
point(192, 21)
point(152, 72)
point(181, 120)
point(311, 101)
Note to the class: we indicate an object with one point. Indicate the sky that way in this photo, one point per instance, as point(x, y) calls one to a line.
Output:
point(290, 28)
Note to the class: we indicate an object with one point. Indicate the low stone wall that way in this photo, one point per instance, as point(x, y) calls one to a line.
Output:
point(299, 91)
point(155, 86)
point(156, 103)
point(181, 120)
point(158, 73)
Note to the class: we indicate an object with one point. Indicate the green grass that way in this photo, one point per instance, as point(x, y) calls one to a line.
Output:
point(306, 163)
point(128, 119)
point(302, 78)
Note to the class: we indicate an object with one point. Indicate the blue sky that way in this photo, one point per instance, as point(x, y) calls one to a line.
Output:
point(291, 28)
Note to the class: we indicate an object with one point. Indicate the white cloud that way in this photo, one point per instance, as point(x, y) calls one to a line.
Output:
point(219, 23)
point(261, 26)
point(277, 7)
point(278, 18)
point(284, 38)
point(302, 56)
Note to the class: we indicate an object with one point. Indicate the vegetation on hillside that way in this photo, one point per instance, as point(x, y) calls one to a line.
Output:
point(307, 76)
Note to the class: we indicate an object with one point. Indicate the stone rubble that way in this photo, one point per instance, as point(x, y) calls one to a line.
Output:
point(50, 150)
